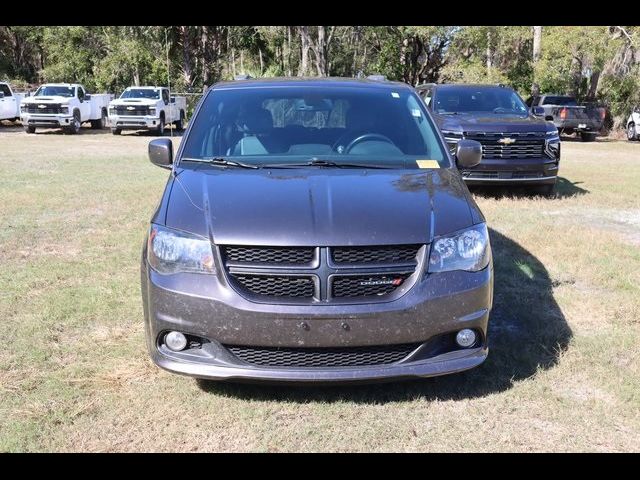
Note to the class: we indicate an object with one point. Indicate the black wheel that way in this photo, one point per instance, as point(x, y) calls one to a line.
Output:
point(631, 132)
point(29, 129)
point(100, 123)
point(548, 190)
point(74, 128)
point(180, 123)
point(587, 136)
point(160, 130)
point(116, 131)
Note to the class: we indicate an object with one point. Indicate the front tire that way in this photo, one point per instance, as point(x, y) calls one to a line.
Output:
point(29, 129)
point(116, 131)
point(587, 136)
point(160, 130)
point(180, 123)
point(74, 128)
point(632, 134)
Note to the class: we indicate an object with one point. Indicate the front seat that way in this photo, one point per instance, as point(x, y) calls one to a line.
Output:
point(256, 126)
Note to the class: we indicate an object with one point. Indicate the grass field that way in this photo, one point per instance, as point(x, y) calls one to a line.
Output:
point(563, 373)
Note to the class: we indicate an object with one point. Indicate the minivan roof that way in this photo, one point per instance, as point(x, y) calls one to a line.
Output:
point(310, 81)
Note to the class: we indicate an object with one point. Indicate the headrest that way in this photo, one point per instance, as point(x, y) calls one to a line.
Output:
point(256, 121)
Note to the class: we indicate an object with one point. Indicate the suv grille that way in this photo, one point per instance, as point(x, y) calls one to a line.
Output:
point(139, 110)
point(525, 145)
point(290, 255)
point(321, 274)
point(277, 286)
point(49, 108)
point(390, 254)
point(323, 357)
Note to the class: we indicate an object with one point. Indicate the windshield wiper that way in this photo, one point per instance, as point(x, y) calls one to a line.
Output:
point(316, 162)
point(219, 161)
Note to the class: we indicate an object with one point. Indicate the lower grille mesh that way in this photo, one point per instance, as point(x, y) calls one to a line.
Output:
point(277, 286)
point(323, 357)
point(361, 286)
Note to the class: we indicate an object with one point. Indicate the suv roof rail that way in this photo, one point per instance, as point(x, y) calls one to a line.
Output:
point(377, 78)
point(242, 77)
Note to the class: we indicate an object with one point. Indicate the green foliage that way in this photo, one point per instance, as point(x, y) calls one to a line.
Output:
point(596, 63)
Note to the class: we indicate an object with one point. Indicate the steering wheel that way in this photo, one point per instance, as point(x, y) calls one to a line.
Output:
point(499, 110)
point(363, 138)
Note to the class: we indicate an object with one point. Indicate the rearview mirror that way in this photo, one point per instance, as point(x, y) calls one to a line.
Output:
point(468, 153)
point(537, 111)
point(161, 152)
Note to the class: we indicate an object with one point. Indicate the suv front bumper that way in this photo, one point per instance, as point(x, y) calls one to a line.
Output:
point(131, 122)
point(512, 171)
point(47, 120)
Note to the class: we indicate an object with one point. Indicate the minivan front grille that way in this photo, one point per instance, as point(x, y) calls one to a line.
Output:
point(276, 286)
point(277, 255)
point(323, 357)
point(302, 275)
point(382, 254)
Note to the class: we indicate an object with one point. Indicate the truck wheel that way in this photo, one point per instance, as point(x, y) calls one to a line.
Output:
point(75, 124)
point(631, 132)
point(160, 130)
point(587, 136)
point(100, 123)
point(29, 129)
point(116, 131)
point(180, 123)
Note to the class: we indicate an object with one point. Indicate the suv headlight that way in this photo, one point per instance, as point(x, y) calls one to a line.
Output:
point(64, 109)
point(23, 107)
point(171, 251)
point(152, 110)
point(468, 250)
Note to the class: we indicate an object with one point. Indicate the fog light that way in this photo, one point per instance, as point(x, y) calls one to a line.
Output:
point(175, 341)
point(465, 338)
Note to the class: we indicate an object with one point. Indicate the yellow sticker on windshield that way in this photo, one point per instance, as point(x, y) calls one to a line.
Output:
point(428, 164)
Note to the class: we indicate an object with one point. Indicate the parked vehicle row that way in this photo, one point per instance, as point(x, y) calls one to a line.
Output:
point(68, 106)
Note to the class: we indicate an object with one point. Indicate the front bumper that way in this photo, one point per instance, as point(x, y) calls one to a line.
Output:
point(437, 305)
point(134, 122)
point(512, 171)
point(47, 120)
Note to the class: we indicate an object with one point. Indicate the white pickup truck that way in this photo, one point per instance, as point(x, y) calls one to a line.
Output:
point(147, 108)
point(9, 102)
point(66, 105)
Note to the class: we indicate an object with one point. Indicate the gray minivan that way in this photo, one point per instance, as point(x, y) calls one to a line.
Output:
point(315, 230)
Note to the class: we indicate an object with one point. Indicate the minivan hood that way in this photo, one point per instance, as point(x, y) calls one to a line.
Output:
point(319, 207)
point(490, 123)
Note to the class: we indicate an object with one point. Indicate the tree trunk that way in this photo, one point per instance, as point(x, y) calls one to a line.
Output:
point(537, 43)
point(593, 85)
point(321, 52)
point(576, 75)
point(186, 56)
point(304, 51)
point(489, 51)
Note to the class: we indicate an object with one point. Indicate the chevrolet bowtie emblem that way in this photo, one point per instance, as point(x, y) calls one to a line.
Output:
point(42, 106)
point(131, 108)
point(507, 141)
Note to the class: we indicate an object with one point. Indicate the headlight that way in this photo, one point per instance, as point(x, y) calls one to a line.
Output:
point(23, 108)
point(170, 251)
point(452, 138)
point(152, 110)
point(64, 109)
point(112, 110)
point(552, 133)
point(465, 250)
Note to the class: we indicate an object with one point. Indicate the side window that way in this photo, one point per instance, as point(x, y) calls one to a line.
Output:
point(426, 95)
point(80, 93)
point(5, 89)
point(165, 96)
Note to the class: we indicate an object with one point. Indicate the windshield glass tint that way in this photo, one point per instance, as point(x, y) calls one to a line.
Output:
point(266, 125)
point(51, 90)
point(150, 93)
point(569, 101)
point(480, 99)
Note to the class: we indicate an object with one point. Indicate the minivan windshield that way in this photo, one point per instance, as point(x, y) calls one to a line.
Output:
point(480, 99)
point(149, 93)
point(280, 125)
point(54, 90)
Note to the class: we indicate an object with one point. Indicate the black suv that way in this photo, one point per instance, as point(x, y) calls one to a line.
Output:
point(518, 145)
point(315, 230)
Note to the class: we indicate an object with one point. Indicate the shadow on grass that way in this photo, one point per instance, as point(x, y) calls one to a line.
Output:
point(564, 188)
point(527, 332)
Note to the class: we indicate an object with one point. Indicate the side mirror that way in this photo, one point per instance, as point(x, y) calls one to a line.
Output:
point(468, 153)
point(1, 94)
point(161, 152)
point(87, 97)
point(173, 99)
point(537, 111)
